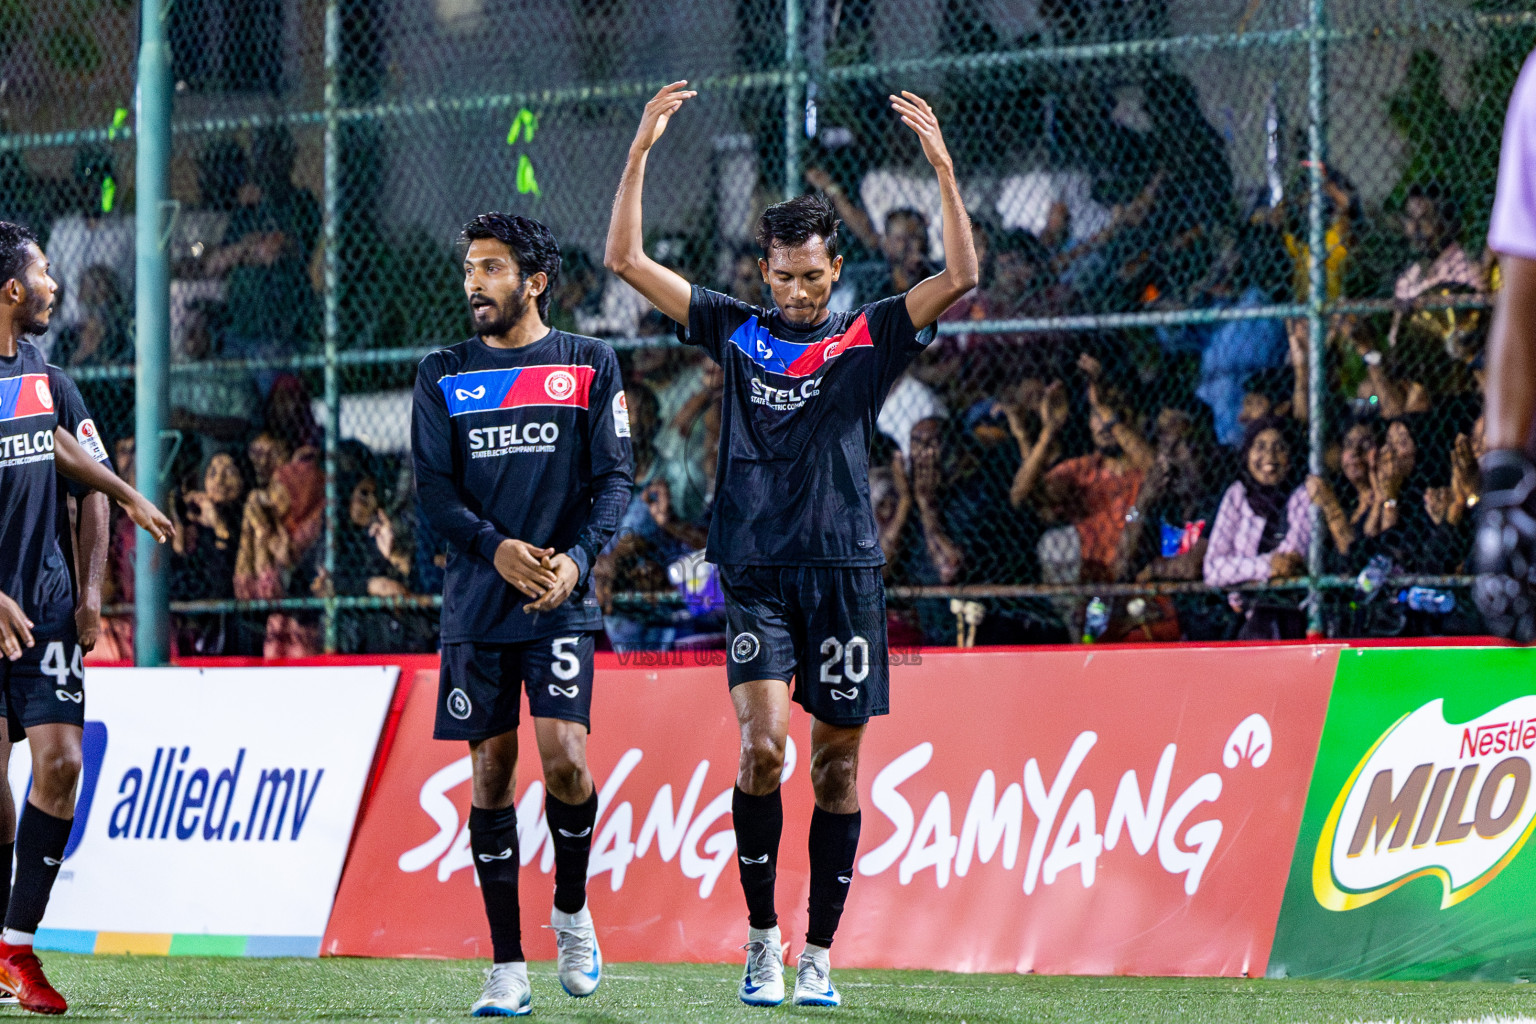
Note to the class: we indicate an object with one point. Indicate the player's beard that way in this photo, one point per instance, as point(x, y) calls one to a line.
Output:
point(31, 317)
point(506, 314)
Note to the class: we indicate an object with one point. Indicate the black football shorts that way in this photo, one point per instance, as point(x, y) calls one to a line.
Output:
point(479, 692)
point(45, 685)
point(821, 626)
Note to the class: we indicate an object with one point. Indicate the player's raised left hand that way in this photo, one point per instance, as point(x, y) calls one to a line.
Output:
point(150, 519)
point(919, 116)
point(566, 576)
point(667, 101)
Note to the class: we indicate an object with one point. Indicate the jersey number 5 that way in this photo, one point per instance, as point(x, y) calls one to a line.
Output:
point(566, 665)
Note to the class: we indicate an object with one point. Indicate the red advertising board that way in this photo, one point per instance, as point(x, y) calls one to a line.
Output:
point(1080, 811)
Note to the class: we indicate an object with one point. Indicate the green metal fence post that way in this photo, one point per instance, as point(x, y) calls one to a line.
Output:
point(1317, 295)
point(331, 327)
point(794, 99)
point(152, 308)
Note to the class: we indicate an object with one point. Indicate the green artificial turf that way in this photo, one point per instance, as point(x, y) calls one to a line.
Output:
point(218, 988)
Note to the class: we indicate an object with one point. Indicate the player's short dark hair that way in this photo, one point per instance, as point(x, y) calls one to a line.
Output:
point(793, 221)
point(533, 246)
point(14, 257)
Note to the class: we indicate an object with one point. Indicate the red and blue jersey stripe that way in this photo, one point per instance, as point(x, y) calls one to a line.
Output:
point(793, 360)
point(517, 387)
point(25, 395)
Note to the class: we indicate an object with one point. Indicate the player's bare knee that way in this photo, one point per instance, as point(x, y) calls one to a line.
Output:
point(762, 761)
point(566, 778)
point(835, 777)
point(57, 770)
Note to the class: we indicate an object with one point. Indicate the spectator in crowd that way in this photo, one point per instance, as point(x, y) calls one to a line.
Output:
point(1431, 221)
point(1166, 536)
point(265, 453)
point(290, 413)
point(650, 540)
point(578, 291)
point(204, 550)
point(903, 243)
point(1262, 530)
point(690, 443)
point(1097, 490)
point(1346, 523)
point(218, 407)
point(100, 335)
point(88, 235)
point(745, 280)
point(265, 257)
point(1233, 351)
point(116, 640)
point(280, 525)
point(371, 561)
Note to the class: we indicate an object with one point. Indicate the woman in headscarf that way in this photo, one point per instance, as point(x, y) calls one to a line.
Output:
point(1262, 531)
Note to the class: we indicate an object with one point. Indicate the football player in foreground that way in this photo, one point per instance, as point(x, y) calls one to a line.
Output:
point(520, 438)
point(42, 679)
point(792, 529)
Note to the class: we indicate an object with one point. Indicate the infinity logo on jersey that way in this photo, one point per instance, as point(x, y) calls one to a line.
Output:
point(466, 396)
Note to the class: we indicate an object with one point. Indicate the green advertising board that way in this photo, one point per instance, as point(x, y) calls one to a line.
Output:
point(1413, 859)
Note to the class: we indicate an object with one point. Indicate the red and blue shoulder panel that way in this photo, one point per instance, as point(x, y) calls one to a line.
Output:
point(488, 390)
point(791, 360)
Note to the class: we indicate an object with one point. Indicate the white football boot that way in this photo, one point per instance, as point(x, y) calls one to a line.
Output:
point(580, 963)
point(763, 982)
point(813, 979)
point(506, 992)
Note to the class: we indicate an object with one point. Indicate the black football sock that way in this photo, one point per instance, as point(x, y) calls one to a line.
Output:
point(7, 862)
point(834, 845)
point(493, 841)
point(570, 828)
point(40, 842)
point(759, 821)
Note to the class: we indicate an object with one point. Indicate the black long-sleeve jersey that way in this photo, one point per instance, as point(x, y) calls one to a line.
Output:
point(75, 417)
point(795, 428)
point(33, 570)
point(530, 444)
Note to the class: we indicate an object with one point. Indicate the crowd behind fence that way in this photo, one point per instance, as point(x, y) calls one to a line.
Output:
point(1222, 375)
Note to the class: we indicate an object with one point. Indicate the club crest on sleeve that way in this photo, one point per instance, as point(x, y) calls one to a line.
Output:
point(620, 415)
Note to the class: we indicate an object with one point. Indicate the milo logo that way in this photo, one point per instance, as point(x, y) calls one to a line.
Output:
point(1431, 799)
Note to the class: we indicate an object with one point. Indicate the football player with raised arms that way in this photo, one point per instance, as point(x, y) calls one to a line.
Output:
point(792, 529)
point(42, 680)
point(1504, 553)
point(520, 439)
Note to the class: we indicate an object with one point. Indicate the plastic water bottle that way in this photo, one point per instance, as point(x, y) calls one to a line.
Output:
point(1373, 576)
point(1429, 600)
point(1096, 620)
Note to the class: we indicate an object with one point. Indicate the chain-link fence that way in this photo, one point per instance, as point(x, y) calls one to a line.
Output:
point(1222, 375)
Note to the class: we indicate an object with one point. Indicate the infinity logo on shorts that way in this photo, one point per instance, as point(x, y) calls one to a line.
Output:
point(852, 693)
point(66, 695)
point(744, 648)
point(561, 691)
point(458, 704)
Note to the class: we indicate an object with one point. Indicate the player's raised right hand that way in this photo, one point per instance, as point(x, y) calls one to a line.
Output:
point(15, 628)
point(1504, 546)
point(658, 112)
point(521, 565)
